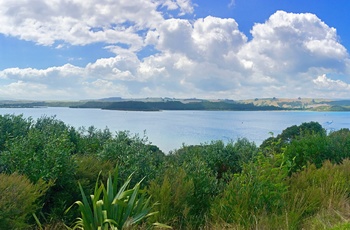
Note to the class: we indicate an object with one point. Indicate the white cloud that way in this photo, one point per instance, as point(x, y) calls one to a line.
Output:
point(326, 83)
point(215, 37)
point(289, 50)
point(209, 39)
point(121, 67)
point(288, 44)
point(184, 6)
point(36, 91)
point(205, 58)
point(80, 22)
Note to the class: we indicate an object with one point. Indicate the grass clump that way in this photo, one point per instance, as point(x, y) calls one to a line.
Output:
point(19, 200)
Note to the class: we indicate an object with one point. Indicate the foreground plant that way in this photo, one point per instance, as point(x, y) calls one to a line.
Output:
point(113, 208)
point(19, 200)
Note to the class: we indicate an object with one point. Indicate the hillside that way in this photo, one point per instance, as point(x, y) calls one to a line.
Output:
point(159, 103)
point(302, 103)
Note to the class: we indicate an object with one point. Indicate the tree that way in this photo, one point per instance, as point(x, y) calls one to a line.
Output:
point(290, 133)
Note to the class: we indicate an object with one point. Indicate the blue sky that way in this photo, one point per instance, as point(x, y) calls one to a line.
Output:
point(236, 49)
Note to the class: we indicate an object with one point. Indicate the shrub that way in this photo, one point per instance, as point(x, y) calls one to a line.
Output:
point(209, 166)
point(258, 190)
point(47, 156)
point(19, 200)
point(91, 140)
point(40, 156)
point(174, 192)
point(88, 166)
point(227, 159)
point(315, 148)
point(11, 127)
point(307, 149)
point(222, 159)
point(338, 147)
point(291, 133)
point(133, 154)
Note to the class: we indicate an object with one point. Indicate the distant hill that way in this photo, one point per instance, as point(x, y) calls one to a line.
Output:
point(111, 99)
point(175, 105)
point(287, 103)
point(165, 103)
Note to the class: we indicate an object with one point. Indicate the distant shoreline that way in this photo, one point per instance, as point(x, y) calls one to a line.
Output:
point(164, 104)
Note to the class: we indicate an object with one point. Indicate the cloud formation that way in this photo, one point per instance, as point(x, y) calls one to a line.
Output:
point(288, 55)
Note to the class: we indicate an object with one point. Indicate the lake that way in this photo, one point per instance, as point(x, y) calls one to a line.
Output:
point(170, 129)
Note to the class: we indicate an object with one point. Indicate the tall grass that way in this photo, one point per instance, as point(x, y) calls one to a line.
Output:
point(252, 195)
point(319, 198)
point(174, 192)
point(19, 200)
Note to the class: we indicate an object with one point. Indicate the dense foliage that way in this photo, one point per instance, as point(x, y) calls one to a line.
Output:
point(296, 180)
point(175, 105)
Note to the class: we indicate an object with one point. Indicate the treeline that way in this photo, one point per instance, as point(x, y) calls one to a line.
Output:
point(296, 180)
point(174, 105)
point(11, 104)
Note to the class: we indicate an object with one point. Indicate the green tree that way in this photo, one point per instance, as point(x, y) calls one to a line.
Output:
point(290, 133)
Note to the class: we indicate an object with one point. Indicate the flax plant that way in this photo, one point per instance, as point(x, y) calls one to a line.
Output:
point(113, 208)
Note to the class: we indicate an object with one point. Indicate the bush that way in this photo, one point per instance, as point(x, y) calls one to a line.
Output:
point(44, 155)
point(291, 133)
point(174, 192)
point(205, 189)
point(88, 166)
point(204, 182)
point(209, 167)
point(257, 191)
point(222, 159)
point(315, 148)
point(133, 154)
point(91, 140)
point(19, 200)
point(338, 145)
point(11, 127)
point(307, 149)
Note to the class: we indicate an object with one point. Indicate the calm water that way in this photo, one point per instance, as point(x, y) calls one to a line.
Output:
point(170, 129)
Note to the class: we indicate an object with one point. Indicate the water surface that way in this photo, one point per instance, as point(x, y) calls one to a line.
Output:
point(170, 129)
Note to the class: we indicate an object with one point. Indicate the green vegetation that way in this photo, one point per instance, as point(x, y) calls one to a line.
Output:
point(48, 170)
point(174, 105)
point(113, 208)
point(158, 104)
point(18, 200)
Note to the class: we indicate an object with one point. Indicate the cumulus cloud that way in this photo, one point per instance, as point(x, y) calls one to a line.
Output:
point(206, 57)
point(210, 39)
point(290, 43)
point(326, 83)
point(79, 22)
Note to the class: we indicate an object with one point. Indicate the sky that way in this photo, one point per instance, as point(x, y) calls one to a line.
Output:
point(222, 49)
